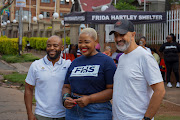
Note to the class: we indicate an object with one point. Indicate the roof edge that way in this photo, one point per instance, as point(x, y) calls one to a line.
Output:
point(99, 7)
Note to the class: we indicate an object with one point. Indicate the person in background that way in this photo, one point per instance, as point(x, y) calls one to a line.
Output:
point(47, 75)
point(115, 54)
point(98, 47)
point(28, 47)
point(118, 55)
point(174, 37)
point(138, 88)
point(72, 53)
point(73, 49)
point(66, 49)
point(87, 90)
point(142, 42)
point(107, 51)
point(170, 50)
point(156, 56)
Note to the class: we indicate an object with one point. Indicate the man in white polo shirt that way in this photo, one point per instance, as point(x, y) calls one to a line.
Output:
point(138, 85)
point(47, 75)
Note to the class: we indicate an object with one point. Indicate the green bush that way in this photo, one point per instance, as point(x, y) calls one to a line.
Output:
point(39, 43)
point(10, 45)
point(67, 40)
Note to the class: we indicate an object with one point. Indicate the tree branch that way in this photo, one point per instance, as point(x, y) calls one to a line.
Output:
point(8, 4)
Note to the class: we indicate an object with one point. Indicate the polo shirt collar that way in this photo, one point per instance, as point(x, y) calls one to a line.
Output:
point(46, 61)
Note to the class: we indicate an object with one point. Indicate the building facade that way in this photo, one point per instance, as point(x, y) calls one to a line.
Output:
point(45, 7)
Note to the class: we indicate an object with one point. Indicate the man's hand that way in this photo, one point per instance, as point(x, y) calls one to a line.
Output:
point(83, 101)
point(31, 117)
point(69, 103)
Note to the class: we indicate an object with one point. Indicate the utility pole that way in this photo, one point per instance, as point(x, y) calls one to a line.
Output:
point(55, 7)
point(20, 30)
point(144, 27)
point(29, 15)
point(20, 4)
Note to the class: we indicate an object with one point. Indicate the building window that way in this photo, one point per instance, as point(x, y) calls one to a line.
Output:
point(46, 14)
point(45, 1)
point(62, 2)
point(62, 14)
point(25, 13)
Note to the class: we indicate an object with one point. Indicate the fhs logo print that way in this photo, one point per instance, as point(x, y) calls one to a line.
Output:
point(88, 70)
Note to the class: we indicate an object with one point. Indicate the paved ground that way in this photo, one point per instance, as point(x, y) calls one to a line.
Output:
point(173, 95)
point(6, 68)
point(12, 104)
point(11, 100)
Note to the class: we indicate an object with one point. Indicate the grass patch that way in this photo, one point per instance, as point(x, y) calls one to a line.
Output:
point(16, 78)
point(167, 118)
point(19, 79)
point(19, 59)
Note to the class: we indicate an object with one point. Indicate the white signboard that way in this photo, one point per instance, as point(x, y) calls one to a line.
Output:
point(20, 3)
point(108, 28)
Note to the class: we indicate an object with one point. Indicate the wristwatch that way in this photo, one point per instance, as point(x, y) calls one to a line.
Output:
point(147, 118)
point(65, 96)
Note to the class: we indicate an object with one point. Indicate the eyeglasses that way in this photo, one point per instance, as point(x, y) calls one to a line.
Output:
point(168, 37)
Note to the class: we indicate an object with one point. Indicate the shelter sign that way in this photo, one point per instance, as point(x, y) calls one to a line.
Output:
point(137, 17)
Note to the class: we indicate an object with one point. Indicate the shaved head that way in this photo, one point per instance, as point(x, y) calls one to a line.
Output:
point(55, 37)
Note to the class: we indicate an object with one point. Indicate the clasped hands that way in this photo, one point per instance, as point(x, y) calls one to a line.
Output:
point(69, 103)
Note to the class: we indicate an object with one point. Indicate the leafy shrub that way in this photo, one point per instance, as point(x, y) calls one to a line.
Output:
point(39, 43)
point(10, 45)
point(49, 28)
point(68, 42)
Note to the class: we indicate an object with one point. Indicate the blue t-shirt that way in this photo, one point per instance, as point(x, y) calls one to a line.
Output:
point(89, 75)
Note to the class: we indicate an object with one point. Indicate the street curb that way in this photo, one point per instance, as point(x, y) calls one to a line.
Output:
point(8, 64)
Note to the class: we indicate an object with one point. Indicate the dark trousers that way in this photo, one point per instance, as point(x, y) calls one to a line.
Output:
point(172, 66)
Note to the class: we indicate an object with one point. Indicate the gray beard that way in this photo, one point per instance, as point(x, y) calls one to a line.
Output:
point(124, 47)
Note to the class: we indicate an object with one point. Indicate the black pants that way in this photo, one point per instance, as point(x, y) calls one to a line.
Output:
point(172, 66)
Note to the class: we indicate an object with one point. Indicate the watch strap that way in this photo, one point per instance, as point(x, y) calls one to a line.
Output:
point(147, 118)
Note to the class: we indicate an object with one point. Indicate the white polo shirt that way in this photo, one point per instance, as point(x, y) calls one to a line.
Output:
point(48, 81)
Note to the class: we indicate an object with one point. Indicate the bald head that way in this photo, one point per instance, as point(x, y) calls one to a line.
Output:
point(56, 38)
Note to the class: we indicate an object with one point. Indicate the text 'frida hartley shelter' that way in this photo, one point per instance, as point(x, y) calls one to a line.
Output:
point(111, 17)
